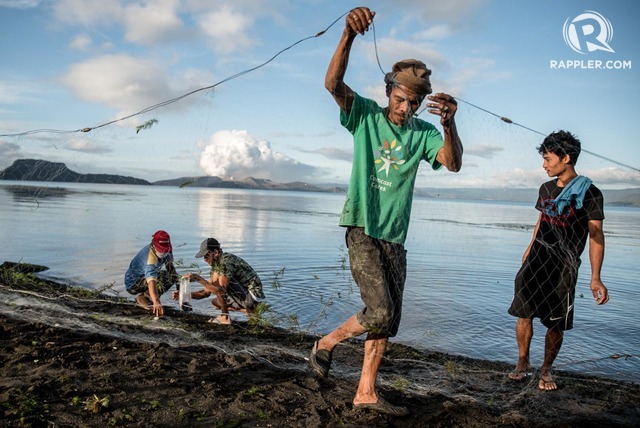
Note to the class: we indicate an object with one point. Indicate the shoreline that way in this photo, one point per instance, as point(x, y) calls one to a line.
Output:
point(74, 357)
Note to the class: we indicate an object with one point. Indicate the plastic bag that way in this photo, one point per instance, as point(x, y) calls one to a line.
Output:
point(185, 295)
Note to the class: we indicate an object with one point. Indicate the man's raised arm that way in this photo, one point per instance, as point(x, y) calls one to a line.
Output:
point(358, 21)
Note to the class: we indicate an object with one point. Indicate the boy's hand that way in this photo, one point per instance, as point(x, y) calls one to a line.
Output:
point(599, 291)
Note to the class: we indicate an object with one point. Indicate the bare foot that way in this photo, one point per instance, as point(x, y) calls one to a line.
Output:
point(518, 375)
point(547, 383)
point(221, 319)
point(144, 302)
point(521, 371)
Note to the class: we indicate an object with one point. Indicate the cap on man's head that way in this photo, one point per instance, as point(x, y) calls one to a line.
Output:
point(162, 241)
point(207, 245)
point(412, 74)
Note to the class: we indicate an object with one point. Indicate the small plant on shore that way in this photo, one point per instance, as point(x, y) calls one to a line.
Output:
point(28, 409)
point(107, 287)
point(451, 368)
point(400, 383)
point(181, 267)
point(275, 283)
point(251, 391)
point(95, 404)
point(153, 404)
point(264, 317)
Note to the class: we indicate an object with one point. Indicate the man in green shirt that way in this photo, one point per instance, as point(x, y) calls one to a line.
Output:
point(389, 143)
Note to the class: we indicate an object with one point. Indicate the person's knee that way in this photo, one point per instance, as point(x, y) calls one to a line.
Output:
point(376, 322)
point(525, 322)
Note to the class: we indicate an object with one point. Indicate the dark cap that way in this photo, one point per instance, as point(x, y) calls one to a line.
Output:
point(208, 244)
point(161, 241)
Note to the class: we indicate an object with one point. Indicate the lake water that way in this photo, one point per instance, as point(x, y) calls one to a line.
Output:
point(462, 257)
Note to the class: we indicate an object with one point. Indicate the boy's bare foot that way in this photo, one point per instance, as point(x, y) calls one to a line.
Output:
point(518, 375)
point(547, 383)
point(521, 371)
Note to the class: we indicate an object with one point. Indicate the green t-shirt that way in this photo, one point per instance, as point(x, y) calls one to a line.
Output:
point(385, 165)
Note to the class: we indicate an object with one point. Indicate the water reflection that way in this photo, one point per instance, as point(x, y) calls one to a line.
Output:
point(25, 193)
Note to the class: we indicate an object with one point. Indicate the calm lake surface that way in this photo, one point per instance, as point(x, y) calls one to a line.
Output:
point(462, 258)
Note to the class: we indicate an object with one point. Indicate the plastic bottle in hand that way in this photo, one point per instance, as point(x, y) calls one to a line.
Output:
point(185, 295)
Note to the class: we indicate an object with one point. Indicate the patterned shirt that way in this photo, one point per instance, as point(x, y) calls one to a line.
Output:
point(238, 270)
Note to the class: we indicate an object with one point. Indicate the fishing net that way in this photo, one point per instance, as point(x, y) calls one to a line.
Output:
point(465, 242)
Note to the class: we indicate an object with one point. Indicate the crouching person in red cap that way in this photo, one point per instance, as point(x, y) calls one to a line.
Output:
point(236, 286)
point(145, 276)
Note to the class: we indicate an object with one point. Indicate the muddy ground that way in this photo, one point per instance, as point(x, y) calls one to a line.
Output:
point(71, 357)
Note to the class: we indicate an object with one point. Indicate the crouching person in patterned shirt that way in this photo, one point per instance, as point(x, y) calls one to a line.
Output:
point(233, 281)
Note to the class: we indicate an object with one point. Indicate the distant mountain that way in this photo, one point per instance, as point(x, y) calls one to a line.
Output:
point(41, 170)
point(621, 197)
point(245, 183)
point(480, 194)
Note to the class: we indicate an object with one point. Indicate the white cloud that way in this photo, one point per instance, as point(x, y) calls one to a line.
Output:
point(435, 32)
point(238, 154)
point(8, 153)
point(457, 11)
point(152, 22)
point(85, 145)
point(119, 81)
point(130, 84)
point(227, 29)
point(335, 153)
point(9, 92)
point(88, 13)
point(81, 42)
point(400, 49)
point(613, 175)
point(486, 151)
point(20, 4)
point(15, 89)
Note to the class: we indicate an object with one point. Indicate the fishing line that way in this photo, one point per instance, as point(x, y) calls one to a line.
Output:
point(502, 118)
point(249, 70)
point(176, 99)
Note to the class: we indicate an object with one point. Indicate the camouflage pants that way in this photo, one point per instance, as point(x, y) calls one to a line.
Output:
point(163, 283)
point(379, 268)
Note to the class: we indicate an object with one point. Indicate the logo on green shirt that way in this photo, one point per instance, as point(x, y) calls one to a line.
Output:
point(390, 156)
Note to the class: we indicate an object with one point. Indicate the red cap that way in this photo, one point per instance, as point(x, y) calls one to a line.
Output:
point(161, 241)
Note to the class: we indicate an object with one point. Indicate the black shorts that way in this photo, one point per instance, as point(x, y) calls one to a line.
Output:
point(546, 290)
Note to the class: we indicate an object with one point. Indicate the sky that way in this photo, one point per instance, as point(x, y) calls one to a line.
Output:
point(546, 65)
